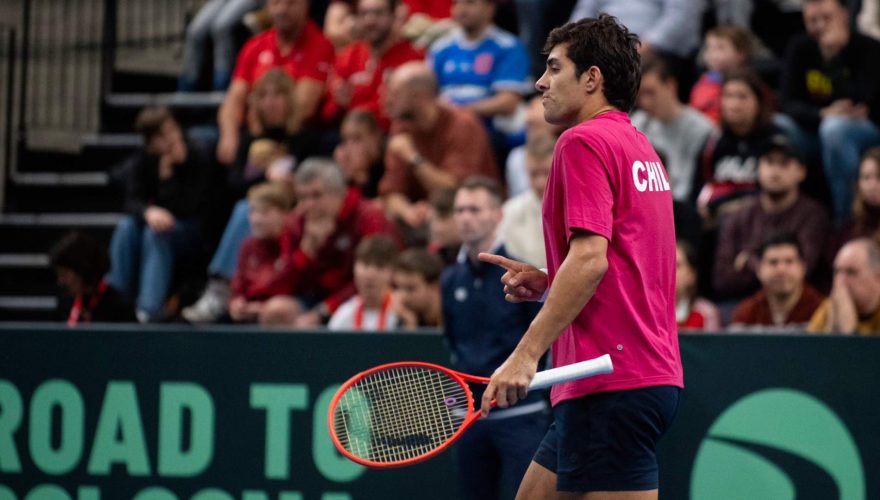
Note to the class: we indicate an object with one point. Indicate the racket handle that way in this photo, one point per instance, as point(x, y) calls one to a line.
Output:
point(589, 368)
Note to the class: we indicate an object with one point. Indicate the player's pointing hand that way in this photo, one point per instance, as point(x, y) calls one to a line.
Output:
point(522, 282)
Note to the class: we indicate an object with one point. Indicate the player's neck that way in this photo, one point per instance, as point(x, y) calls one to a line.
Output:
point(594, 109)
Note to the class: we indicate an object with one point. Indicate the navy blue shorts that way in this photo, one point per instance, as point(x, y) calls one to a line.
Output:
point(606, 441)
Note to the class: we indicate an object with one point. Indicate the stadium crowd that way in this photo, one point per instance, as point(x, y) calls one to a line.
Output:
point(330, 194)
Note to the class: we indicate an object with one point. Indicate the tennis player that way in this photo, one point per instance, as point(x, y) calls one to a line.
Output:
point(610, 285)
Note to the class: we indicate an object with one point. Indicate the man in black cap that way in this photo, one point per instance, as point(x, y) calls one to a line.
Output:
point(779, 207)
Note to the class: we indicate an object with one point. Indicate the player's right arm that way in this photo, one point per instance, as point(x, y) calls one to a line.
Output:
point(574, 285)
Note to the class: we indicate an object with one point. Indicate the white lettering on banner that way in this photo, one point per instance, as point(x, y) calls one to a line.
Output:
point(650, 176)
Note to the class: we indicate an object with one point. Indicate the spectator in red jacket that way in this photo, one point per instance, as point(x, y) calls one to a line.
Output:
point(260, 254)
point(318, 246)
point(361, 68)
point(295, 44)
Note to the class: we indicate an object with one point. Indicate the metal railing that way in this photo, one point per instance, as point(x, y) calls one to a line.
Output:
point(62, 71)
point(71, 49)
point(149, 34)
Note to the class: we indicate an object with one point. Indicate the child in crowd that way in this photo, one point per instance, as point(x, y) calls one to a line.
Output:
point(416, 298)
point(370, 309)
point(726, 48)
point(270, 159)
point(260, 254)
point(691, 312)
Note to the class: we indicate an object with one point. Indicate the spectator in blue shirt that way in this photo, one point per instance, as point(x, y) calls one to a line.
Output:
point(482, 330)
point(483, 68)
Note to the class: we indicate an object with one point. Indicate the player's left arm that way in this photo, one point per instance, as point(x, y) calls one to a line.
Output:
point(573, 286)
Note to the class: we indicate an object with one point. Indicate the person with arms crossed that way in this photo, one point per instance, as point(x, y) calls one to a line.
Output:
point(610, 239)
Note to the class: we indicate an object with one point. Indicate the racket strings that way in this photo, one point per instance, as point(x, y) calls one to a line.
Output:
point(400, 413)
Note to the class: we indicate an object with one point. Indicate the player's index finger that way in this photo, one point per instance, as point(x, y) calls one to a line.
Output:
point(499, 260)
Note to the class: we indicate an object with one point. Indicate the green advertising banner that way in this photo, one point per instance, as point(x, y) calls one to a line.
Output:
point(165, 414)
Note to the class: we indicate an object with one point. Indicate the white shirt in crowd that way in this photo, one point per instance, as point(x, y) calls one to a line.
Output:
point(347, 315)
point(521, 229)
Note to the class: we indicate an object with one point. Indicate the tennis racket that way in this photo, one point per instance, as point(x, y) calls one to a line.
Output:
point(403, 413)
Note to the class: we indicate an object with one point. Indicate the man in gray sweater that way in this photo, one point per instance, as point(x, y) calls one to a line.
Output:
point(676, 130)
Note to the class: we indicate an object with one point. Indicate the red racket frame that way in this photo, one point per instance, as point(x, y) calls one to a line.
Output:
point(470, 418)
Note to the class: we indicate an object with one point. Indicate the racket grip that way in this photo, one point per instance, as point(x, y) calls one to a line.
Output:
point(589, 368)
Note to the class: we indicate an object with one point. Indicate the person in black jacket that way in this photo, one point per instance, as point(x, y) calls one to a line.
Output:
point(80, 264)
point(831, 86)
point(166, 197)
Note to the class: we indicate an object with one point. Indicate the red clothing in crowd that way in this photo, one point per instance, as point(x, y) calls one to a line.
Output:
point(457, 144)
point(258, 261)
point(328, 278)
point(358, 66)
point(437, 9)
point(703, 315)
point(311, 57)
point(755, 310)
point(706, 96)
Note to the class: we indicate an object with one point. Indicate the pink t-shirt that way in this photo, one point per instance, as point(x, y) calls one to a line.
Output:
point(607, 179)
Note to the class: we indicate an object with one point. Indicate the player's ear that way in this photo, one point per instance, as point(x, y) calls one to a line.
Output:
point(591, 80)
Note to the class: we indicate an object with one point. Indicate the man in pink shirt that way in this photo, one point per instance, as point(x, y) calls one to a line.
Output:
point(610, 283)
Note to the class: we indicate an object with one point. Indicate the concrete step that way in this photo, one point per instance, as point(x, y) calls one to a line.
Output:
point(30, 234)
point(28, 308)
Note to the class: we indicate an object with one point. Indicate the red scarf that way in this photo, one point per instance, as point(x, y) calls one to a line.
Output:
point(383, 313)
point(76, 310)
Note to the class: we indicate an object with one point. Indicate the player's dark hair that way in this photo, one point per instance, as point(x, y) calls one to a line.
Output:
point(778, 240)
point(420, 261)
point(81, 254)
point(605, 43)
point(377, 250)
